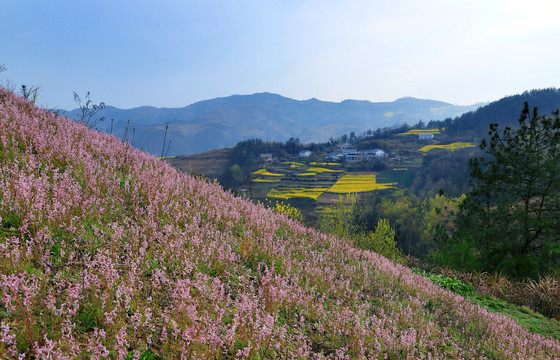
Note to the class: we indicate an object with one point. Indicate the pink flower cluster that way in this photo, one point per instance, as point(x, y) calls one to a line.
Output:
point(106, 252)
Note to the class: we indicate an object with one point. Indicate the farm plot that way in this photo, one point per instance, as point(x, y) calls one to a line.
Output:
point(452, 147)
point(324, 163)
point(265, 172)
point(265, 180)
point(358, 183)
point(312, 171)
point(293, 164)
point(420, 131)
point(294, 192)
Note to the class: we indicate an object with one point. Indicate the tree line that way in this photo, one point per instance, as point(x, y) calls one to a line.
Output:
point(507, 221)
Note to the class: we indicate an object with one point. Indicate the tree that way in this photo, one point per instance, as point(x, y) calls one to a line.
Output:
point(347, 219)
point(381, 241)
point(87, 112)
point(510, 220)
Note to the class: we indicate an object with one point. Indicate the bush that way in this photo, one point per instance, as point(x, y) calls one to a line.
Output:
point(381, 241)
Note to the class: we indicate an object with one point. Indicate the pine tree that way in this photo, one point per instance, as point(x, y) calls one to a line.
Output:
point(509, 221)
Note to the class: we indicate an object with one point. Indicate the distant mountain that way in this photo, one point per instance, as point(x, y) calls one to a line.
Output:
point(223, 122)
point(505, 112)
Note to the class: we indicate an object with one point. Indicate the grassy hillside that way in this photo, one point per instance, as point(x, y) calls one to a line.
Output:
point(211, 164)
point(106, 252)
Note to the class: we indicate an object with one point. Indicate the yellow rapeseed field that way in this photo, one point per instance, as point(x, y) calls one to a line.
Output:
point(324, 163)
point(358, 183)
point(307, 174)
point(287, 193)
point(265, 173)
point(420, 131)
point(265, 180)
point(320, 170)
point(452, 147)
point(293, 164)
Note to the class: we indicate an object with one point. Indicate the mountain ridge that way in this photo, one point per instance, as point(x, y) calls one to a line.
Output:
point(224, 121)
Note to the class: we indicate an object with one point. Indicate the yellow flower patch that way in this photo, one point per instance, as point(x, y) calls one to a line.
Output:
point(358, 183)
point(452, 147)
point(324, 163)
point(265, 180)
point(420, 131)
point(307, 174)
point(265, 173)
point(321, 170)
point(293, 164)
point(288, 193)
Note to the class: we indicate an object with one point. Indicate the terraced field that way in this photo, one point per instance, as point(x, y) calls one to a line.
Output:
point(452, 147)
point(316, 183)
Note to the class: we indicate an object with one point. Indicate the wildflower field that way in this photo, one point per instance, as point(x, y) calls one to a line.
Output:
point(108, 253)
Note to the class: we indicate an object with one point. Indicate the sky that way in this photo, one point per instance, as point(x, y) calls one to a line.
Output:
point(130, 53)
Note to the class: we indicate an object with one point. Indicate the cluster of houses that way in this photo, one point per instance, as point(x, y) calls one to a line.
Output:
point(345, 154)
point(348, 154)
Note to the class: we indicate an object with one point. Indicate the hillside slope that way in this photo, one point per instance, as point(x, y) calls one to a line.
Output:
point(505, 112)
point(106, 251)
point(223, 122)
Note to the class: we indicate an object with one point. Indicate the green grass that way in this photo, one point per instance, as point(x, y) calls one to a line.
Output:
point(530, 320)
point(534, 322)
point(403, 178)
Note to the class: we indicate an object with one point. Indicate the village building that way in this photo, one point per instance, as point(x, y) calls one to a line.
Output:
point(364, 155)
point(353, 155)
point(348, 150)
point(380, 154)
point(426, 136)
point(266, 156)
point(334, 156)
point(304, 153)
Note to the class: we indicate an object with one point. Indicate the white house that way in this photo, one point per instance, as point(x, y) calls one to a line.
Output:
point(353, 155)
point(426, 136)
point(334, 156)
point(266, 156)
point(377, 153)
point(304, 153)
point(381, 154)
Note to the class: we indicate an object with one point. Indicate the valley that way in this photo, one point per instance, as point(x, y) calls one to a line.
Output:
point(107, 250)
point(317, 179)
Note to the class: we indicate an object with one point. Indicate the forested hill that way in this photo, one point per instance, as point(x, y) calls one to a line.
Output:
point(504, 112)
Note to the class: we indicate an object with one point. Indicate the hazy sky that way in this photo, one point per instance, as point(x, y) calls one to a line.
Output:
point(173, 53)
